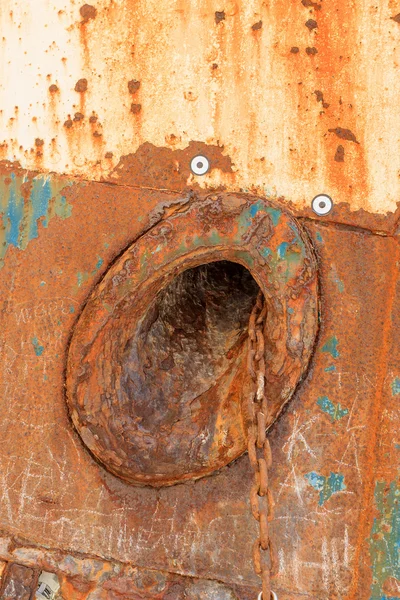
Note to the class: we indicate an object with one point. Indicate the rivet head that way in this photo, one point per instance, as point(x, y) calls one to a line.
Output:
point(322, 204)
point(199, 165)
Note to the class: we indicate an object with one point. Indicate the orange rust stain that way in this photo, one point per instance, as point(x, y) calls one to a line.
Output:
point(337, 77)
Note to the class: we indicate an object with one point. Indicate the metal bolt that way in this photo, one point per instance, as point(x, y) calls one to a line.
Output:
point(273, 596)
point(322, 204)
point(199, 165)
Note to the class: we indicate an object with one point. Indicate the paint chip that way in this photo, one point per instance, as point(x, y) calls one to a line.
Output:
point(344, 134)
point(330, 347)
point(136, 108)
point(81, 85)
point(257, 26)
point(339, 155)
point(335, 411)
point(327, 486)
point(133, 86)
point(311, 24)
point(87, 12)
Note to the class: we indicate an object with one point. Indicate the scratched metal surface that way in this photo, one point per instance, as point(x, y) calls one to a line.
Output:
point(335, 448)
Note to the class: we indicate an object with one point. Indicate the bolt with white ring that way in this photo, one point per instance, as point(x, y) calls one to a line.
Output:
point(273, 596)
point(322, 204)
point(199, 165)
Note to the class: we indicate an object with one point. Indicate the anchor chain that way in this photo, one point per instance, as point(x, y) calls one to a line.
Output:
point(257, 418)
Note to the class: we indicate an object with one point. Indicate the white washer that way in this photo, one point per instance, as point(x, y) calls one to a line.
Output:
point(199, 165)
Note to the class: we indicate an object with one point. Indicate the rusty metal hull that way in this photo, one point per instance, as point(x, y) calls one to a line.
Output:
point(286, 101)
point(335, 447)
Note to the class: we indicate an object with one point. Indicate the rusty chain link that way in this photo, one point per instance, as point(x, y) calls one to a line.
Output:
point(257, 419)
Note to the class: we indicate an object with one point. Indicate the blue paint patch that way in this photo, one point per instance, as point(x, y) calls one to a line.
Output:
point(282, 249)
point(275, 213)
point(396, 386)
point(254, 208)
point(41, 190)
point(335, 411)
point(42, 283)
point(330, 369)
point(37, 347)
point(330, 346)
point(99, 264)
point(327, 486)
point(21, 215)
point(319, 237)
point(71, 309)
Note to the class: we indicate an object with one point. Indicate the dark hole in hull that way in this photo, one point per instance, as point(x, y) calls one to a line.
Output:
point(191, 335)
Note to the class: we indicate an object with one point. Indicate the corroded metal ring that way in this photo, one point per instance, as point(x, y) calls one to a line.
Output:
point(123, 399)
point(273, 596)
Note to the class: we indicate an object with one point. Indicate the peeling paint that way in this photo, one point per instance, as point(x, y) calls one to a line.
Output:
point(327, 486)
point(37, 347)
point(24, 203)
point(83, 277)
point(335, 411)
point(330, 347)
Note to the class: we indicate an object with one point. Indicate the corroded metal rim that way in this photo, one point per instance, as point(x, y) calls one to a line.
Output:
point(238, 228)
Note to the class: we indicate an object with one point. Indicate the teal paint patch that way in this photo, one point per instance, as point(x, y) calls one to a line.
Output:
point(42, 283)
point(71, 309)
point(275, 214)
point(340, 284)
point(21, 214)
point(82, 277)
point(99, 264)
point(330, 346)
point(37, 347)
point(396, 386)
point(265, 252)
point(330, 369)
point(335, 411)
point(384, 541)
point(319, 237)
point(326, 486)
point(282, 249)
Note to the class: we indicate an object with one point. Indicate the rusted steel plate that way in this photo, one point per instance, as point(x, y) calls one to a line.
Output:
point(156, 409)
point(58, 242)
point(18, 583)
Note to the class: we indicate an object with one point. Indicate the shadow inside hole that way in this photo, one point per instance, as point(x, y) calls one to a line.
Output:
point(192, 333)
